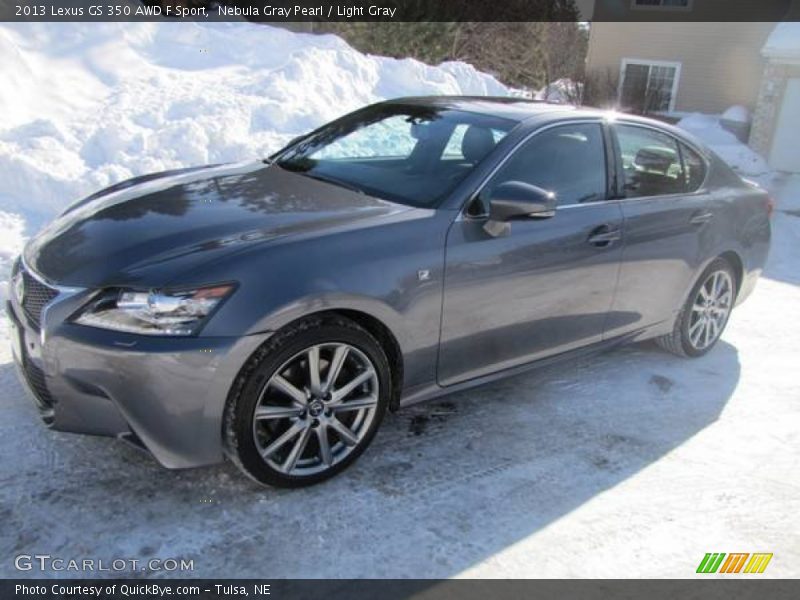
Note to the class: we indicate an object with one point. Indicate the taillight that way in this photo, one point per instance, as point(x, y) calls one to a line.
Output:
point(770, 206)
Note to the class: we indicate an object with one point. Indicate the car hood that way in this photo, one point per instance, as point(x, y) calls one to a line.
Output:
point(150, 229)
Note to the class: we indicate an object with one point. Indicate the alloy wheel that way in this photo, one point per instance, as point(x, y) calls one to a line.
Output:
point(316, 409)
point(710, 310)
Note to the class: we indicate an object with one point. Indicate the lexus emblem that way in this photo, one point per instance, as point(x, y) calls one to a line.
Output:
point(19, 287)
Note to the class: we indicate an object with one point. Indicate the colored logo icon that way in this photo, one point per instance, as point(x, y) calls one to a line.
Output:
point(719, 562)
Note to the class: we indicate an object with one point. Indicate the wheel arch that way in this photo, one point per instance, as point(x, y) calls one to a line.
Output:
point(381, 332)
point(736, 262)
point(675, 340)
point(376, 326)
point(731, 256)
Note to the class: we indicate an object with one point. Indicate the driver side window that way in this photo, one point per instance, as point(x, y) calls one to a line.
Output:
point(568, 160)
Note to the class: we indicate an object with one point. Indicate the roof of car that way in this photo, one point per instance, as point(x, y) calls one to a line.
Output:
point(523, 109)
point(508, 107)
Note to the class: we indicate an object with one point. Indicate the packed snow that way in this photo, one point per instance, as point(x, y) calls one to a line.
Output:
point(736, 114)
point(87, 105)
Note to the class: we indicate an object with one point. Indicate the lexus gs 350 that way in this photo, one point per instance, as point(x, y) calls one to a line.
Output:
point(272, 312)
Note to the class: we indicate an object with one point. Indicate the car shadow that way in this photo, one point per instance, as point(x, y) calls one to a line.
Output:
point(445, 486)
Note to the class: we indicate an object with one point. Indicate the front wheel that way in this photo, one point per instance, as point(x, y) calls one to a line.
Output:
point(703, 317)
point(308, 403)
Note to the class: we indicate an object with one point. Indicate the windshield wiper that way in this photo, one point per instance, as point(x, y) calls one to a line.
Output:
point(305, 169)
point(332, 181)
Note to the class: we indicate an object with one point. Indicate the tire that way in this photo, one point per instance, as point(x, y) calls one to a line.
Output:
point(683, 341)
point(283, 427)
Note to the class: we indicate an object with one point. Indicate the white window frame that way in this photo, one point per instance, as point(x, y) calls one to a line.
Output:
point(673, 95)
point(636, 6)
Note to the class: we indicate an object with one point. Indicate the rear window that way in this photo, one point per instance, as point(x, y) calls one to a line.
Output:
point(651, 162)
point(656, 164)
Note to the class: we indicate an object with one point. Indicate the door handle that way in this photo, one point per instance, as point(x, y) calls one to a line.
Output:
point(604, 236)
point(701, 217)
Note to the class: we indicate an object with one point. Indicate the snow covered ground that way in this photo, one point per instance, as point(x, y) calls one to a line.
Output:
point(633, 463)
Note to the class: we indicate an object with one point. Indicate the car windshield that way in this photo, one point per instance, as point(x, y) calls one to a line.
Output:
point(413, 155)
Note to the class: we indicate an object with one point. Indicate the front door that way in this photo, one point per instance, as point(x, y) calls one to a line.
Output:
point(545, 287)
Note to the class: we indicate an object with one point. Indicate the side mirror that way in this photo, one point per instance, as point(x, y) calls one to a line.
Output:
point(514, 200)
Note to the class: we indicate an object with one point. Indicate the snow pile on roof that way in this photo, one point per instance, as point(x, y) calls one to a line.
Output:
point(741, 157)
point(783, 42)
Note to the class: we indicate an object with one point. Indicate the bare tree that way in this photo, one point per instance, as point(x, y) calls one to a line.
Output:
point(526, 54)
point(564, 47)
point(601, 88)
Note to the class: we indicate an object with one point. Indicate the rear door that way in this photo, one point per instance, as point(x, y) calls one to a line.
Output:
point(547, 286)
point(668, 215)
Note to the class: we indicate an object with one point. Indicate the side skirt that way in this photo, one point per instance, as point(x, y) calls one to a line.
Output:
point(425, 392)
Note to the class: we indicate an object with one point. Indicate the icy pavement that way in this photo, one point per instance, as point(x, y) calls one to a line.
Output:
point(633, 463)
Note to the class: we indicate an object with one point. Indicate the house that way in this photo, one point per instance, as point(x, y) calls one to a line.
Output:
point(776, 122)
point(680, 67)
point(675, 66)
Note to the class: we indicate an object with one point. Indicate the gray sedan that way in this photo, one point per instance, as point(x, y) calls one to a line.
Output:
point(273, 311)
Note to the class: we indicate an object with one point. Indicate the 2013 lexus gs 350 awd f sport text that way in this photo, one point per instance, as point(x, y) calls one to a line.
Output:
point(272, 312)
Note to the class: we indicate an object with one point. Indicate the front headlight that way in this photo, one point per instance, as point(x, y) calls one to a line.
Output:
point(155, 312)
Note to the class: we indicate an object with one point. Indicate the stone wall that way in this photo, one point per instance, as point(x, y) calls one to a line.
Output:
point(768, 105)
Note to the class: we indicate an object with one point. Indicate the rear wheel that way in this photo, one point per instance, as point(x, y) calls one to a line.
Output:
point(705, 314)
point(309, 403)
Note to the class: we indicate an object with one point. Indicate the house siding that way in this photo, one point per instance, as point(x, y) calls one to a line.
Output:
point(721, 63)
point(698, 10)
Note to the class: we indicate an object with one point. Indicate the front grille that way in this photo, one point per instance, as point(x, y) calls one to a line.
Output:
point(35, 378)
point(37, 295)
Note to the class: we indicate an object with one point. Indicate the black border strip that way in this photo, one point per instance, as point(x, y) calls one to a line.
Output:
point(733, 588)
point(284, 11)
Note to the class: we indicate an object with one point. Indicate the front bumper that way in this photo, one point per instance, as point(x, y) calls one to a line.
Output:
point(168, 392)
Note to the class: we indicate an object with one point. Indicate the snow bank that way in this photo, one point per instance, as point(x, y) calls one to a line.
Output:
point(736, 114)
point(561, 91)
point(741, 157)
point(87, 105)
point(91, 104)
